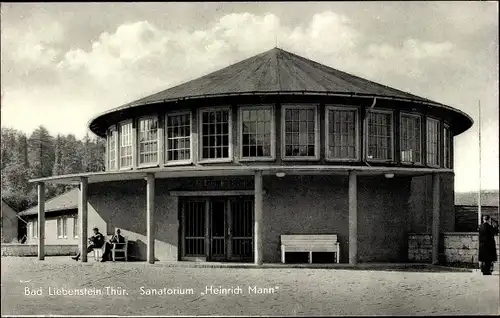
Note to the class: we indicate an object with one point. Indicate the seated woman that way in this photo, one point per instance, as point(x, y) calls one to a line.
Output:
point(96, 241)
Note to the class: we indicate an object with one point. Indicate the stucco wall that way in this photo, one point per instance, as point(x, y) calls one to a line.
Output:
point(461, 247)
point(292, 205)
point(319, 205)
point(51, 238)
point(32, 250)
point(420, 204)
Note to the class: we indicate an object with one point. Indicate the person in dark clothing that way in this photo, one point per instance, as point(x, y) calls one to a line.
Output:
point(95, 241)
point(487, 246)
point(116, 240)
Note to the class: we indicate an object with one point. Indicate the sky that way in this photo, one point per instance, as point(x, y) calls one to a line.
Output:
point(62, 64)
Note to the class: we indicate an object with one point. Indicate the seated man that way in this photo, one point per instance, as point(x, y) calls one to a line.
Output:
point(118, 240)
point(96, 241)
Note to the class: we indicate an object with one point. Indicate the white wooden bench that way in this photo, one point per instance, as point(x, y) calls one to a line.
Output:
point(310, 243)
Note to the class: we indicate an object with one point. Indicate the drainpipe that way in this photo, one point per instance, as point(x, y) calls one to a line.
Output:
point(365, 134)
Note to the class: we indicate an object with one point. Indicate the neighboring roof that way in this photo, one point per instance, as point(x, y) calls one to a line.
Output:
point(7, 209)
point(488, 198)
point(65, 201)
point(274, 71)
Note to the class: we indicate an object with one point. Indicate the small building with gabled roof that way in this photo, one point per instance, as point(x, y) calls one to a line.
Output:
point(10, 225)
point(218, 168)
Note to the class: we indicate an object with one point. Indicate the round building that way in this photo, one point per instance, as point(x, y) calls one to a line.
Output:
point(272, 159)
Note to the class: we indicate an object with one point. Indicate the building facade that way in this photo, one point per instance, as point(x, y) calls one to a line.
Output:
point(9, 223)
point(216, 169)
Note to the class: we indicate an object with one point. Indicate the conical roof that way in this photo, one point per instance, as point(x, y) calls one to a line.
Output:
point(276, 71)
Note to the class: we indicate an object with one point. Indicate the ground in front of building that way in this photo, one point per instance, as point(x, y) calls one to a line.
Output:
point(143, 289)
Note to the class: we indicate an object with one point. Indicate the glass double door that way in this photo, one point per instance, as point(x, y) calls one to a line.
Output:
point(217, 228)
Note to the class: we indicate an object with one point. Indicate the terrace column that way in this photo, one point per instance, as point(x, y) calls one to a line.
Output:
point(83, 217)
point(258, 251)
point(353, 218)
point(150, 216)
point(41, 221)
point(436, 198)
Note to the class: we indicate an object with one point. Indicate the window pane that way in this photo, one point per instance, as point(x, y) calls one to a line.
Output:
point(112, 148)
point(341, 134)
point(432, 142)
point(215, 137)
point(179, 136)
point(379, 136)
point(148, 140)
point(410, 139)
point(448, 139)
point(256, 132)
point(300, 134)
point(126, 145)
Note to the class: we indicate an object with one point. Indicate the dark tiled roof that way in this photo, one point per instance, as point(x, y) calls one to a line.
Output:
point(273, 72)
point(276, 71)
point(65, 201)
point(488, 198)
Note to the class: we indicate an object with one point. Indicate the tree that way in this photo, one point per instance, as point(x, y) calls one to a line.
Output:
point(41, 153)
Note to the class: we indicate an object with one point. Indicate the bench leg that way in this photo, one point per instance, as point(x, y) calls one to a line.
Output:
point(310, 257)
point(282, 254)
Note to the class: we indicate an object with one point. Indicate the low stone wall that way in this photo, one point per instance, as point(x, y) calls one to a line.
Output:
point(32, 250)
point(455, 247)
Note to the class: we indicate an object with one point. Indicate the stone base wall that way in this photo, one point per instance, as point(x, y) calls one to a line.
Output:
point(456, 247)
point(32, 250)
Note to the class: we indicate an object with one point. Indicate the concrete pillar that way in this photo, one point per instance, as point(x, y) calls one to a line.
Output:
point(83, 217)
point(436, 201)
point(258, 250)
point(150, 216)
point(41, 221)
point(353, 218)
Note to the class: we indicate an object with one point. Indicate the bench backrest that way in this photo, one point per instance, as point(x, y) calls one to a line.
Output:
point(322, 242)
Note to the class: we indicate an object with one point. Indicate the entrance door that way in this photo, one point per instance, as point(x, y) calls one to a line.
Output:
point(241, 229)
point(217, 228)
point(193, 224)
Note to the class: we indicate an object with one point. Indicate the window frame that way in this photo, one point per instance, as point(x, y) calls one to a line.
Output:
point(334, 107)
point(200, 135)
point(120, 124)
point(419, 116)
point(34, 228)
point(367, 134)
point(165, 138)
point(242, 108)
point(64, 227)
point(76, 225)
point(138, 131)
point(315, 107)
point(447, 137)
point(112, 134)
point(438, 131)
